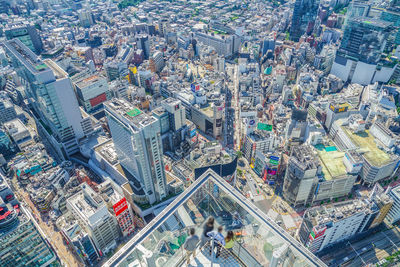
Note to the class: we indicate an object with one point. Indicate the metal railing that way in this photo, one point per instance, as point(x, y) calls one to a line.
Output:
point(215, 252)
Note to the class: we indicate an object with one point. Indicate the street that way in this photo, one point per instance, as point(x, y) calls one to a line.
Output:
point(369, 250)
point(266, 198)
point(66, 256)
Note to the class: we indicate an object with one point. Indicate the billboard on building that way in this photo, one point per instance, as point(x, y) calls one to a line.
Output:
point(317, 233)
point(120, 206)
point(98, 100)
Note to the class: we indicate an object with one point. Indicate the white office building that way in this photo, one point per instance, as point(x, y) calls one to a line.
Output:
point(137, 141)
point(177, 113)
point(326, 225)
point(93, 216)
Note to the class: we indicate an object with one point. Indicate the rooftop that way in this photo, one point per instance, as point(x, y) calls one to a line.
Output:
point(208, 111)
point(131, 113)
point(59, 73)
point(88, 204)
point(372, 21)
point(259, 241)
point(366, 142)
point(89, 80)
point(332, 163)
point(30, 60)
point(337, 211)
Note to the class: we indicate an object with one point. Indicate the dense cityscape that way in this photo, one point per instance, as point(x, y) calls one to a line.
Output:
point(199, 133)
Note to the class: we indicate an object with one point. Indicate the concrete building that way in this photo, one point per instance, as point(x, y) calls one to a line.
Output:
point(209, 119)
point(394, 213)
point(324, 226)
point(137, 141)
point(156, 62)
point(52, 97)
point(19, 133)
point(223, 45)
point(26, 33)
point(364, 40)
point(259, 141)
point(301, 175)
point(335, 179)
point(317, 175)
point(7, 110)
point(85, 18)
point(91, 92)
point(118, 206)
point(92, 215)
point(377, 162)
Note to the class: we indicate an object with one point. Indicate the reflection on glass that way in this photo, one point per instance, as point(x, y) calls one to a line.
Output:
point(256, 243)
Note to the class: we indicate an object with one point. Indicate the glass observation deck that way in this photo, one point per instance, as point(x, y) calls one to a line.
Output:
point(258, 240)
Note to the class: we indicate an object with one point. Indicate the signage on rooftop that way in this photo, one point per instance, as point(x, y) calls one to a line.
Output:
point(133, 112)
point(194, 87)
point(339, 108)
point(263, 126)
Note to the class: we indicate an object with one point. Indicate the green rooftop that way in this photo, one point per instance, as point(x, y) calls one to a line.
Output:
point(366, 142)
point(332, 163)
point(263, 126)
point(41, 67)
point(134, 112)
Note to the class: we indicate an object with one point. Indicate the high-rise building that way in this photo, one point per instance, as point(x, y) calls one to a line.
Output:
point(21, 244)
point(52, 96)
point(364, 40)
point(303, 18)
point(93, 216)
point(383, 201)
point(297, 128)
point(137, 141)
point(301, 175)
point(393, 16)
point(83, 243)
point(144, 44)
point(115, 69)
point(157, 62)
point(85, 17)
point(6, 147)
point(176, 112)
point(26, 33)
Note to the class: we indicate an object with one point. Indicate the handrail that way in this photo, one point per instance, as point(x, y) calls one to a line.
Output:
point(224, 253)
